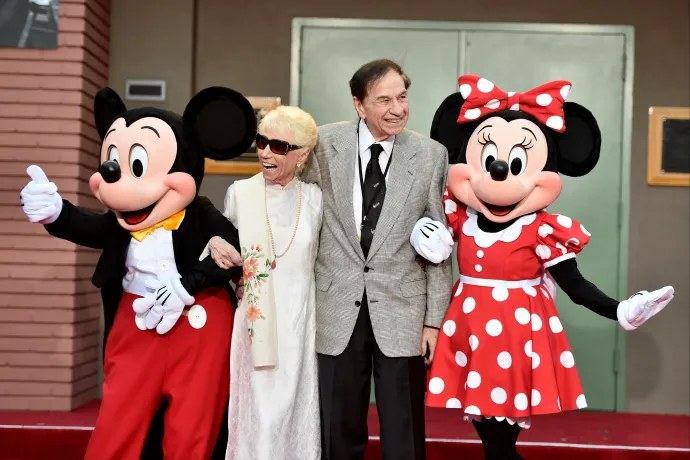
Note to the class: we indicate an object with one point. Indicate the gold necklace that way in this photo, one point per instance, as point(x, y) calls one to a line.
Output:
point(294, 232)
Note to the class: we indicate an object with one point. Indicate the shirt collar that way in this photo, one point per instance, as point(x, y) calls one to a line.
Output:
point(366, 139)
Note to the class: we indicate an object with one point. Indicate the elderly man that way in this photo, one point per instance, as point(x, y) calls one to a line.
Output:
point(376, 306)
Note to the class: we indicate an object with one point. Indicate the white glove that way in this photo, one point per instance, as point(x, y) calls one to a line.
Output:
point(164, 305)
point(642, 306)
point(40, 200)
point(432, 240)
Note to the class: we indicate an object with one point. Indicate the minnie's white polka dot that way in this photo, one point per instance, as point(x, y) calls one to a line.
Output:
point(528, 348)
point(465, 90)
point(522, 316)
point(545, 230)
point(530, 291)
point(473, 114)
point(451, 206)
point(584, 230)
point(505, 360)
point(461, 359)
point(558, 401)
point(546, 294)
point(536, 398)
point(484, 85)
point(511, 93)
point(581, 402)
point(555, 324)
point(573, 242)
point(536, 360)
point(478, 268)
point(562, 248)
point(499, 294)
point(564, 91)
point(544, 100)
point(480, 253)
point(469, 304)
point(474, 379)
point(453, 403)
point(567, 359)
point(543, 252)
point(494, 328)
point(492, 104)
point(474, 410)
point(515, 107)
point(521, 401)
point(554, 122)
point(536, 322)
point(457, 293)
point(564, 221)
point(499, 395)
point(474, 342)
point(436, 385)
point(449, 328)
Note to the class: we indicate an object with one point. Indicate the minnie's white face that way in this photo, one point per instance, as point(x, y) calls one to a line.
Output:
point(504, 177)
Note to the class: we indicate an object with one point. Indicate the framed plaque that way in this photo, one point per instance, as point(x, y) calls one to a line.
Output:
point(668, 151)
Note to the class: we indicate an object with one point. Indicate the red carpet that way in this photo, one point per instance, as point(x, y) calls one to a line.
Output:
point(573, 435)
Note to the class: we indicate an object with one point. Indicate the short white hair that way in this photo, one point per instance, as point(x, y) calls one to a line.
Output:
point(294, 120)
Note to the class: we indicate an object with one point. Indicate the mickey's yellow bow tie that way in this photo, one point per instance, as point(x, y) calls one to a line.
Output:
point(171, 223)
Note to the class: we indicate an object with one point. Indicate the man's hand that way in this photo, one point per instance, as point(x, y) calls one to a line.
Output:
point(223, 253)
point(429, 338)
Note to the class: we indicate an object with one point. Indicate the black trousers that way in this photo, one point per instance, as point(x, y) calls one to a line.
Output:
point(345, 386)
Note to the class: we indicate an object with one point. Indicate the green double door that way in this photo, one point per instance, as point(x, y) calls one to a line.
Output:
point(516, 58)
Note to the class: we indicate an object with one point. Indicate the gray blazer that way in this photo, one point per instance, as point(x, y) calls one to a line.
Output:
point(403, 297)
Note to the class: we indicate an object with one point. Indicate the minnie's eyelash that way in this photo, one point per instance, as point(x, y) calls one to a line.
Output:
point(486, 137)
point(526, 144)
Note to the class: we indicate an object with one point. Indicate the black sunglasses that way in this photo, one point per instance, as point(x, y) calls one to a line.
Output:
point(277, 146)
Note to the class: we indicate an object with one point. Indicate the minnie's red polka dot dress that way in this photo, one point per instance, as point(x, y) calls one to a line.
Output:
point(502, 350)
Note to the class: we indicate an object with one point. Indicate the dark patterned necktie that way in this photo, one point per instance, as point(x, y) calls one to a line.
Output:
point(372, 197)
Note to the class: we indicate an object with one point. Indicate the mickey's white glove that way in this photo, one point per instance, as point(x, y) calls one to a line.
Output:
point(164, 305)
point(432, 240)
point(40, 200)
point(642, 306)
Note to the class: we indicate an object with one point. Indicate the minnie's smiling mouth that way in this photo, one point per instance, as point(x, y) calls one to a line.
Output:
point(137, 217)
point(499, 211)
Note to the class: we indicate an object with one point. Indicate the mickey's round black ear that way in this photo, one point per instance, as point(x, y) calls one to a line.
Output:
point(580, 144)
point(446, 130)
point(107, 106)
point(221, 122)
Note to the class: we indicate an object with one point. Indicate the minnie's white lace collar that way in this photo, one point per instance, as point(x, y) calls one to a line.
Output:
point(484, 239)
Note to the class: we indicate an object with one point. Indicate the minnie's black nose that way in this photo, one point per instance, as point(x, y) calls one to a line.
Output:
point(499, 170)
point(110, 170)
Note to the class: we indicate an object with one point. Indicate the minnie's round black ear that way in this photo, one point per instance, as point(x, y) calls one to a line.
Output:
point(446, 130)
point(107, 106)
point(220, 122)
point(580, 144)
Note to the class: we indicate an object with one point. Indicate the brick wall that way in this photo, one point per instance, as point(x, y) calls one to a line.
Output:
point(49, 310)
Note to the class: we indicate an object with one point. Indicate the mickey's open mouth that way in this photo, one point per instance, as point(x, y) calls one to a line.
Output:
point(137, 217)
point(499, 210)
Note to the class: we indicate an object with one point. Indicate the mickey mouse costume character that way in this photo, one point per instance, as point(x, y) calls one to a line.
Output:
point(152, 165)
point(503, 355)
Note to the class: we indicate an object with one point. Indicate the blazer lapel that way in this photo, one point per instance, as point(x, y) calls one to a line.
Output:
point(397, 189)
point(342, 170)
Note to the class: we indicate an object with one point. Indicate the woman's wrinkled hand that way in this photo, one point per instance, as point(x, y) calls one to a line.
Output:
point(224, 254)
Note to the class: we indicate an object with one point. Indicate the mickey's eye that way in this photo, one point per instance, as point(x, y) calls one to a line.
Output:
point(517, 160)
point(489, 155)
point(138, 161)
point(113, 154)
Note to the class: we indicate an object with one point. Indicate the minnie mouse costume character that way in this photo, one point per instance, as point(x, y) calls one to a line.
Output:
point(503, 355)
point(152, 165)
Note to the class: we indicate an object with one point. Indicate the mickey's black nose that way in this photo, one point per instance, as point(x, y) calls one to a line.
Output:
point(499, 170)
point(110, 171)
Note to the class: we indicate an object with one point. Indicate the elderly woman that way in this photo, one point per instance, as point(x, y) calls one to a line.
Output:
point(274, 401)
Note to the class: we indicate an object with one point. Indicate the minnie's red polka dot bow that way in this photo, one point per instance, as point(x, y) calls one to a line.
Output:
point(544, 102)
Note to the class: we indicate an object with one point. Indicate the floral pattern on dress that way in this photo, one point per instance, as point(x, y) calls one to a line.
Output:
point(256, 269)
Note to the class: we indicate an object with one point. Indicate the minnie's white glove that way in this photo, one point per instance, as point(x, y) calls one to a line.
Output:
point(164, 306)
point(642, 306)
point(40, 200)
point(432, 240)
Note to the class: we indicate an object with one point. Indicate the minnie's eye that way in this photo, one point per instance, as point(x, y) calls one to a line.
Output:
point(517, 160)
point(489, 155)
point(113, 154)
point(138, 161)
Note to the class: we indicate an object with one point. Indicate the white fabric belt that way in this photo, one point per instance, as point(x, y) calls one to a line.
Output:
point(500, 283)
